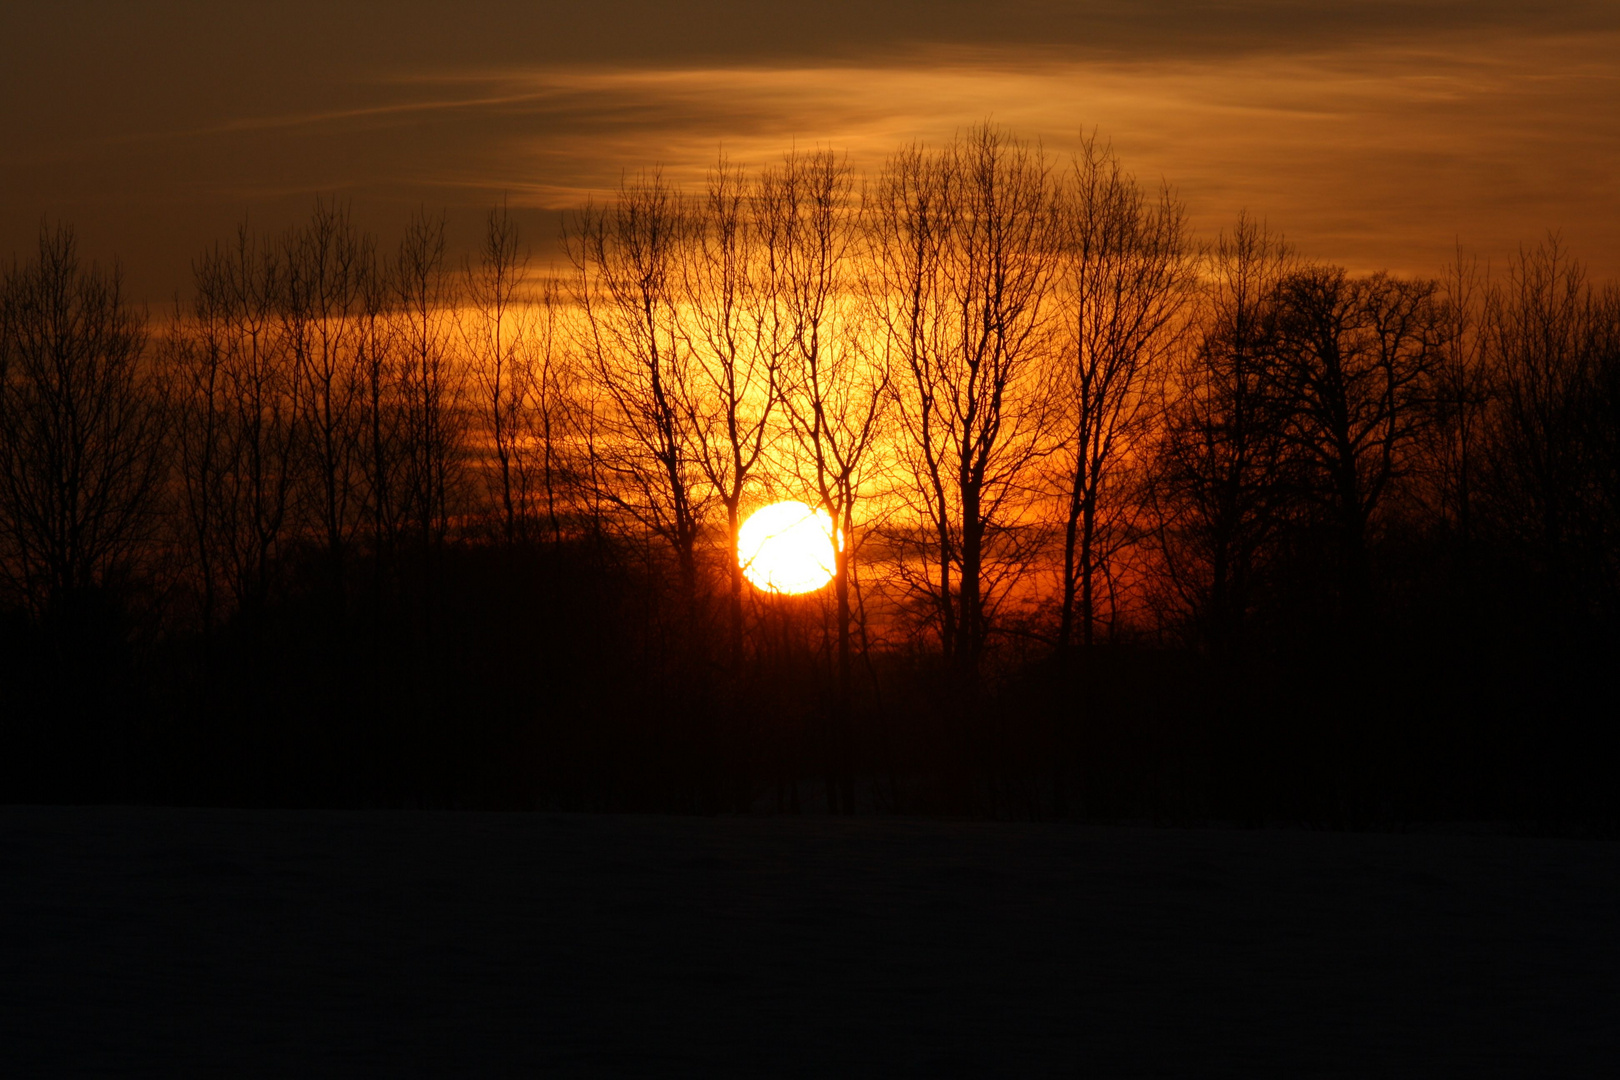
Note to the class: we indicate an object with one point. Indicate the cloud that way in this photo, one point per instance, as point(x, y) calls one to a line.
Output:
point(1373, 156)
point(1374, 132)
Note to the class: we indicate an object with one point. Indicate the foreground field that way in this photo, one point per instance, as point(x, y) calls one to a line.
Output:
point(204, 942)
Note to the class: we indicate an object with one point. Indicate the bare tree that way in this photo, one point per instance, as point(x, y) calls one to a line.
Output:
point(551, 418)
point(1127, 271)
point(195, 351)
point(520, 374)
point(835, 386)
point(1544, 330)
point(1356, 358)
point(327, 269)
point(496, 333)
point(735, 338)
point(80, 427)
point(431, 419)
point(384, 375)
point(1601, 435)
point(1221, 474)
point(628, 288)
point(1460, 396)
point(237, 292)
point(965, 245)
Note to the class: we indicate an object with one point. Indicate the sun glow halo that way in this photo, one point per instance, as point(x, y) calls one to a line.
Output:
point(787, 547)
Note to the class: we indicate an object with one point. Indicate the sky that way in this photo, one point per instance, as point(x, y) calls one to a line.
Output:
point(1378, 134)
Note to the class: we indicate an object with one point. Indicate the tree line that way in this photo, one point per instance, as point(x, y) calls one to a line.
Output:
point(371, 522)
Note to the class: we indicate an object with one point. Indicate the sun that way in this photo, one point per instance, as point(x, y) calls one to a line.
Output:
point(787, 547)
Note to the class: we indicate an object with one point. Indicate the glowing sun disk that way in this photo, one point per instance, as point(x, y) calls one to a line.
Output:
point(787, 547)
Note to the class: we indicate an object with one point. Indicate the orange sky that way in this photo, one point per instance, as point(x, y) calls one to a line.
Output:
point(1373, 134)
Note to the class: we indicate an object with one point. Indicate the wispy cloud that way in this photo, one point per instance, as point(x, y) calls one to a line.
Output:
point(395, 111)
point(1373, 131)
point(1367, 155)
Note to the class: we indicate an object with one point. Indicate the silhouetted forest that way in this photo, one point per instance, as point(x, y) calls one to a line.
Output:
point(1137, 523)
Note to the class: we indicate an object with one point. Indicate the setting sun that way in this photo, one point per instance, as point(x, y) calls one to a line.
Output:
point(787, 547)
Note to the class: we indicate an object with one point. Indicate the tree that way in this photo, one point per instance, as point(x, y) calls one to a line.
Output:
point(1126, 276)
point(965, 244)
point(327, 267)
point(834, 387)
point(81, 428)
point(1356, 357)
point(384, 373)
point(431, 416)
point(1551, 339)
point(735, 336)
point(552, 413)
point(194, 362)
point(1460, 396)
point(627, 285)
point(252, 386)
point(1221, 486)
point(510, 359)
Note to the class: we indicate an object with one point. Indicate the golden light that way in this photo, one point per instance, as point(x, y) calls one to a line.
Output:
point(787, 547)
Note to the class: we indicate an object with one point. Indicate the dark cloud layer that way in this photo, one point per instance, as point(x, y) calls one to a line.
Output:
point(1374, 133)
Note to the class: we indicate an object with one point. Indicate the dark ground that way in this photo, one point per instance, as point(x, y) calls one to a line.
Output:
point(213, 942)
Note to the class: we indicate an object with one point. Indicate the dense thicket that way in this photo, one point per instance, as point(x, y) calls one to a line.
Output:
point(1133, 524)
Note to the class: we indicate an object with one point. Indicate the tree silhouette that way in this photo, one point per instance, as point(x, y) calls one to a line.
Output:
point(81, 429)
point(964, 244)
point(1355, 358)
point(834, 388)
point(627, 287)
point(1127, 275)
point(1222, 478)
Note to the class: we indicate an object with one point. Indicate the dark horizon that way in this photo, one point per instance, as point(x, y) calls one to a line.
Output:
point(1300, 361)
point(1191, 533)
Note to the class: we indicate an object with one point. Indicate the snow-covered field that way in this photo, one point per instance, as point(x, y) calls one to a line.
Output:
point(231, 943)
